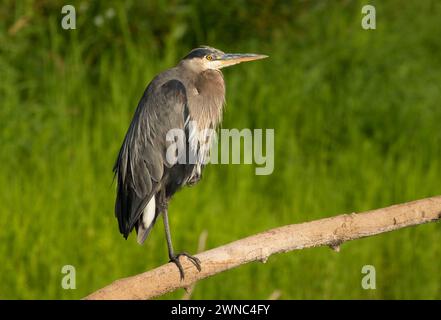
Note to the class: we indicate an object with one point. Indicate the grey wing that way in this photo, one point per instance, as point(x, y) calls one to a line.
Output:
point(140, 164)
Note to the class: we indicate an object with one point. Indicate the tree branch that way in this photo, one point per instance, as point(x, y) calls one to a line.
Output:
point(330, 231)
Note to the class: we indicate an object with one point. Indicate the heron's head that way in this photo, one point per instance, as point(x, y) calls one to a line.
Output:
point(205, 58)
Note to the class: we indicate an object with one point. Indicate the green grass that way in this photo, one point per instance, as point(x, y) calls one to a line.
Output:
point(357, 126)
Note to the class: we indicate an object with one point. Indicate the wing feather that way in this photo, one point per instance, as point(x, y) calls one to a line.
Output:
point(140, 164)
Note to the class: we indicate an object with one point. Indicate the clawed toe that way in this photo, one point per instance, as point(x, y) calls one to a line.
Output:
point(175, 259)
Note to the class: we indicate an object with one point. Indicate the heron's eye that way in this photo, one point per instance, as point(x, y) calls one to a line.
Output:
point(209, 57)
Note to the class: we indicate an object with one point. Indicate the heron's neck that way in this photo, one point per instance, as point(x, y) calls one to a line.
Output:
point(206, 98)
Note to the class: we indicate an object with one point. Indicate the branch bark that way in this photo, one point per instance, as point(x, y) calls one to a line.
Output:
point(329, 231)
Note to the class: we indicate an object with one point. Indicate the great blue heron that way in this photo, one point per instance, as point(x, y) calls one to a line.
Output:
point(193, 93)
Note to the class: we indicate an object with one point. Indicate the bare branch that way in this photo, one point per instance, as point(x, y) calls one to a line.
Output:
point(330, 231)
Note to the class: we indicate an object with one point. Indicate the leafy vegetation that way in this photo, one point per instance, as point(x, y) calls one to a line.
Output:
point(356, 115)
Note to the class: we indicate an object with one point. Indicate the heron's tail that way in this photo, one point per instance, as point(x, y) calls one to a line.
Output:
point(146, 221)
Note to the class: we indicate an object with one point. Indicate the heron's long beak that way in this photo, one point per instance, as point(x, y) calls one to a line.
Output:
point(230, 59)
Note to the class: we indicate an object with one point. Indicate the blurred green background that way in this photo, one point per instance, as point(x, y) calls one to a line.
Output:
point(356, 115)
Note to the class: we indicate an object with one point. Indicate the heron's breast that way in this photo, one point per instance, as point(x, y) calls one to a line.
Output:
point(206, 99)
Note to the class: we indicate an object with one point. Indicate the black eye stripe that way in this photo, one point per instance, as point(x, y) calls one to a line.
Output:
point(198, 53)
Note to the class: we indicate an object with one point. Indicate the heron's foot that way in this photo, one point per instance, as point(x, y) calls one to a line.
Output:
point(194, 260)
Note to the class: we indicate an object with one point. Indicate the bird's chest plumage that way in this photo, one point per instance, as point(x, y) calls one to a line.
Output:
point(206, 99)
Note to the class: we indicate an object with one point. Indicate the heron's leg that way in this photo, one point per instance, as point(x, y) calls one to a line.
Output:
point(171, 254)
